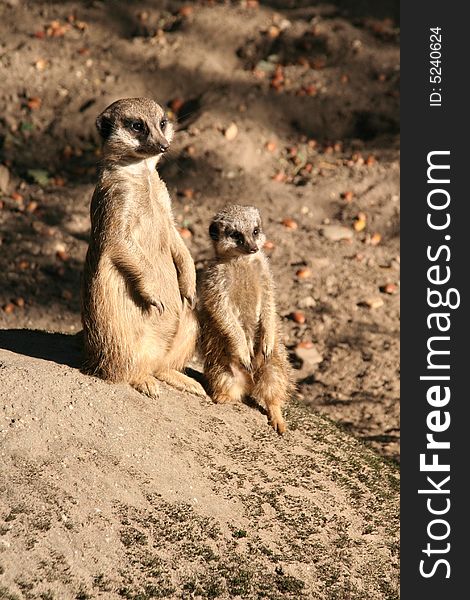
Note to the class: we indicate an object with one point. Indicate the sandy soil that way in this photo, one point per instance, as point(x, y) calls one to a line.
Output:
point(105, 494)
point(312, 90)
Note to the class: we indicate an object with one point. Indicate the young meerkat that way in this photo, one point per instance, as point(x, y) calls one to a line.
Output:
point(139, 280)
point(240, 338)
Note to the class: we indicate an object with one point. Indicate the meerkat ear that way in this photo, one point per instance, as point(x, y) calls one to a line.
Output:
point(214, 231)
point(104, 125)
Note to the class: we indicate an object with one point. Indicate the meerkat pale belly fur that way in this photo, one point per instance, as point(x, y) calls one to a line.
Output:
point(138, 287)
point(240, 336)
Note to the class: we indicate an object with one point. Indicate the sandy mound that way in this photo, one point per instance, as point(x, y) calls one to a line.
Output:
point(106, 494)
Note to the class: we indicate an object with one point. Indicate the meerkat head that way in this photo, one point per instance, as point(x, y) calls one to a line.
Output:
point(237, 231)
point(134, 129)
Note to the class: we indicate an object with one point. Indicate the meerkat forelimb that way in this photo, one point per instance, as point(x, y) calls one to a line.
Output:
point(240, 338)
point(139, 280)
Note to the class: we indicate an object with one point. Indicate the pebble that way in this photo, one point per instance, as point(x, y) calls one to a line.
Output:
point(231, 132)
point(307, 302)
point(185, 233)
point(389, 288)
point(298, 317)
point(375, 239)
point(9, 308)
point(335, 233)
point(4, 179)
point(269, 246)
point(304, 273)
point(308, 354)
point(289, 223)
point(373, 303)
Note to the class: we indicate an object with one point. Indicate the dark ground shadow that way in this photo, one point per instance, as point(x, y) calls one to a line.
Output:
point(60, 348)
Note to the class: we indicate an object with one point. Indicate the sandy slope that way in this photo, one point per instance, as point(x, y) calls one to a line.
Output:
point(105, 494)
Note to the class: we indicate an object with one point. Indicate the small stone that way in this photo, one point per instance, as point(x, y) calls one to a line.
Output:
point(298, 317)
point(32, 206)
point(62, 255)
point(188, 193)
point(34, 103)
point(389, 288)
point(231, 132)
point(308, 354)
point(186, 11)
point(372, 303)
point(280, 177)
point(335, 233)
point(273, 32)
point(176, 104)
point(304, 273)
point(8, 308)
point(347, 196)
point(270, 146)
point(19, 302)
point(185, 233)
point(289, 223)
point(4, 179)
point(307, 302)
point(375, 239)
point(269, 246)
point(360, 222)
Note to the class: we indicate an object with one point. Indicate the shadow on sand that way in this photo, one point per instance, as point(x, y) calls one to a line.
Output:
point(60, 348)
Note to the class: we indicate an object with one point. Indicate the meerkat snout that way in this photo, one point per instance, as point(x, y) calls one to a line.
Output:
point(237, 232)
point(134, 129)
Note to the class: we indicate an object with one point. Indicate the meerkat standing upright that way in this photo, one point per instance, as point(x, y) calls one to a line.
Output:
point(243, 353)
point(139, 280)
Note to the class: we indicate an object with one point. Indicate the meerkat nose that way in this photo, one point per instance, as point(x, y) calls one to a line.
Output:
point(163, 147)
point(252, 249)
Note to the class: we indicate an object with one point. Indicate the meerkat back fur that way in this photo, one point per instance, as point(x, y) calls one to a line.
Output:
point(240, 336)
point(138, 285)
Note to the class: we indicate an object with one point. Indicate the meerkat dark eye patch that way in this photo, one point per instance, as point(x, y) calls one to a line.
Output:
point(214, 231)
point(256, 231)
point(237, 236)
point(104, 125)
point(163, 123)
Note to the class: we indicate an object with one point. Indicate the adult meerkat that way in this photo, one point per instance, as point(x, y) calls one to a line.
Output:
point(243, 353)
point(139, 280)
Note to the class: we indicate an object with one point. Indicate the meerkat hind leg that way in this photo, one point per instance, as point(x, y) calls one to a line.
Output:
point(230, 387)
point(181, 382)
point(272, 389)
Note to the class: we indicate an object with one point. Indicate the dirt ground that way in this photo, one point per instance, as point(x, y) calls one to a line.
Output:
point(312, 91)
point(290, 106)
point(103, 496)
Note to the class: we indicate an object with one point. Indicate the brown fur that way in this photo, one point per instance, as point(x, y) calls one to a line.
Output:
point(240, 337)
point(138, 287)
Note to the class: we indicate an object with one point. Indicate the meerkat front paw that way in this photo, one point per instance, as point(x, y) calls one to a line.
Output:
point(158, 305)
point(267, 345)
point(187, 285)
point(191, 300)
point(244, 356)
